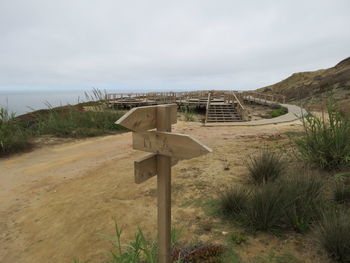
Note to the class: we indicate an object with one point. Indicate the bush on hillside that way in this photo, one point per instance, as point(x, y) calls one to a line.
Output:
point(326, 143)
point(74, 123)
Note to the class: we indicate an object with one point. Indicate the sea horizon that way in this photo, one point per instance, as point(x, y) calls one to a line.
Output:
point(21, 102)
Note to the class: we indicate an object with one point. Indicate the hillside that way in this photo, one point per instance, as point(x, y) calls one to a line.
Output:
point(310, 87)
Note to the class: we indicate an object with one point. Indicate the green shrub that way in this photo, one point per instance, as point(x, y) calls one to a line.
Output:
point(278, 112)
point(233, 201)
point(13, 138)
point(303, 201)
point(333, 235)
point(326, 143)
point(266, 166)
point(265, 208)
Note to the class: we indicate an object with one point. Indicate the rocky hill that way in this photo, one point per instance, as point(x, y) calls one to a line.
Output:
point(313, 87)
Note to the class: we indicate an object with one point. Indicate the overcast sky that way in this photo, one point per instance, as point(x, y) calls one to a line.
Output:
point(167, 45)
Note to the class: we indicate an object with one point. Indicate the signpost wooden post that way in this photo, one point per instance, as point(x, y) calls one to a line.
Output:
point(167, 149)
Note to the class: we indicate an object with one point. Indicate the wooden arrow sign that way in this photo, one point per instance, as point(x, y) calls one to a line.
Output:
point(145, 118)
point(146, 167)
point(166, 147)
point(176, 145)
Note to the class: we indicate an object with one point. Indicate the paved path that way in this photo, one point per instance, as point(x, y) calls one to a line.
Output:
point(294, 113)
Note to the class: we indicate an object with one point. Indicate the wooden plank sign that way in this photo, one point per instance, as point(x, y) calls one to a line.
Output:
point(146, 167)
point(169, 144)
point(166, 149)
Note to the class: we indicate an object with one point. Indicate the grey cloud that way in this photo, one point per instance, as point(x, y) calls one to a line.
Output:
point(167, 44)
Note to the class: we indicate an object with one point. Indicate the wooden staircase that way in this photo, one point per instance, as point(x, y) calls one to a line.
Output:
point(222, 112)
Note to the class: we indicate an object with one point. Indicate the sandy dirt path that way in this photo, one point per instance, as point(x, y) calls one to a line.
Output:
point(56, 199)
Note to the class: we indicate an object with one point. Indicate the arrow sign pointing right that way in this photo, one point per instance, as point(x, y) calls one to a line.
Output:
point(180, 146)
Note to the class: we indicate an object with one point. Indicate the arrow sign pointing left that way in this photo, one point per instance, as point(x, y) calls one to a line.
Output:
point(176, 145)
point(145, 118)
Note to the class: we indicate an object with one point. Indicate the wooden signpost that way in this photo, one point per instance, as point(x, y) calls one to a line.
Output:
point(166, 148)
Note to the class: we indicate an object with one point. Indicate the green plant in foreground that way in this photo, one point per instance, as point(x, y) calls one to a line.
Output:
point(138, 250)
point(333, 235)
point(266, 166)
point(326, 143)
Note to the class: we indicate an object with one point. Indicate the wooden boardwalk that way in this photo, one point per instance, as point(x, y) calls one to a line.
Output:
point(222, 106)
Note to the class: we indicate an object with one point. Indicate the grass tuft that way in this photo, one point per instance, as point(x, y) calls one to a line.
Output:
point(264, 208)
point(303, 201)
point(265, 167)
point(333, 235)
point(233, 201)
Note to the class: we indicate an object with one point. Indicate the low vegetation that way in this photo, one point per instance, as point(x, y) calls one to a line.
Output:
point(13, 138)
point(292, 203)
point(278, 111)
point(140, 249)
point(77, 124)
point(16, 133)
point(280, 198)
point(188, 113)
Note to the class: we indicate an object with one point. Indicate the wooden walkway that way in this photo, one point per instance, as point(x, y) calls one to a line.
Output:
point(221, 106)
point(294, 113)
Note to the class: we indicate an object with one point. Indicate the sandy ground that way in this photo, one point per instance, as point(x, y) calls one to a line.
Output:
point(56, 199)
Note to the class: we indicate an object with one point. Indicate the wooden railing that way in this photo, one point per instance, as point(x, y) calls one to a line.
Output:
point(208, 105)
point(263, 97)
point(241, 110)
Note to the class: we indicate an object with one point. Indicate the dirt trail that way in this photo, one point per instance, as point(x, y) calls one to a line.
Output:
point(55, 200)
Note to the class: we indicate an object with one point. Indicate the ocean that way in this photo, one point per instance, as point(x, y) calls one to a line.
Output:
point(21, 102)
